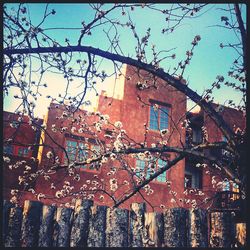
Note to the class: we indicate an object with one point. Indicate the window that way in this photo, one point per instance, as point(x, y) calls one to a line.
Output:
point(158, 117)
point(193, 177)
point(8, 149)
point(76, 151)
point(150, 167)
point(22, 151)
point(80, 151)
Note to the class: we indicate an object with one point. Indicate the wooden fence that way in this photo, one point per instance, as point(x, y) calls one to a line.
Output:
point(89, 225)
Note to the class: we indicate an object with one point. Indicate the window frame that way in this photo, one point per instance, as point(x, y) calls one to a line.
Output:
point(90, 147)
point(159, 111)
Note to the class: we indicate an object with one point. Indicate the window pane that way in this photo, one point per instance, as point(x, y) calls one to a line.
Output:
point(153, 123)
point(161, 164)
point(163, 118)
point(141, 166)
point(188, 181)
point(96, 150)
point(226, 186)
point(82, 152)
point(194, 177)
point(71, 150)
point(162, 177)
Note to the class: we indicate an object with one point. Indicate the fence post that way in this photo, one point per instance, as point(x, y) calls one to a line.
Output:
point(222, 232)
point(62, 227)
point(6, 211)
point(153, 229)
point(160, 226)
point(197, 228)
point(46, 228)
point(117, 227)
point(175, 227)
point(14, 227)
point(97, 226)
point(80, 225)
point(31, 223)
point(241, 234)
point(137, 219)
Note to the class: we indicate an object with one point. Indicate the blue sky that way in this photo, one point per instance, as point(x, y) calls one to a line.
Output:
point(209, 59)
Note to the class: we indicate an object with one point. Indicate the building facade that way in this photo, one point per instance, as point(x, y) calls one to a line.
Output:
point(146, 113)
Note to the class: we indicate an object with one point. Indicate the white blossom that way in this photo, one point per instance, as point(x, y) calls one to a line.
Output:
point(164, 131)
point(118, 124)
point(40, 195)
point(6, 159)
point(59, 194)
point(49, 155)
point(113, 156)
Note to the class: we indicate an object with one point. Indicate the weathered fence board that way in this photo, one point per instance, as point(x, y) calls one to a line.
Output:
point(222, 232)
point(117, 227)
point(13, 236)
point(80, 225)
point(175, 227)
point(160, 232)
point(241, 234)
point(197, 228)
point(137, 219)
point(46, 227)
point(62, 227)
point(6, 211)
point(31, 223)
point(153, 230)
point(97, 227)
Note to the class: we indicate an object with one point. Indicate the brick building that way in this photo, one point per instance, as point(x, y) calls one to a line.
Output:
point(144, 106)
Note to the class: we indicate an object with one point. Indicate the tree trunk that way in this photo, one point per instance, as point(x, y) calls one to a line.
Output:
point(175, 231)
point(117, 227)
point(97, 226)
point(197, 228)
point(80, 225)
point(13, 236)
point(46, 228)
point(222, 233)
point(31, 222)
point(62, 227)
point(137, 219)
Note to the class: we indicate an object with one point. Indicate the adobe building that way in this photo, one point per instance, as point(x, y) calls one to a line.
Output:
point(20, 149)
point(144, 106)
